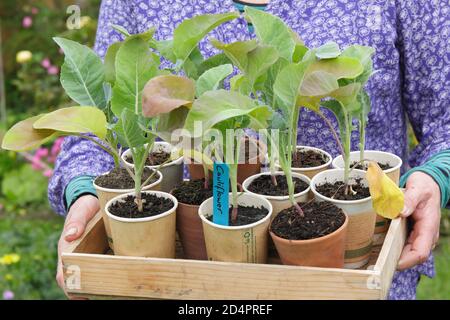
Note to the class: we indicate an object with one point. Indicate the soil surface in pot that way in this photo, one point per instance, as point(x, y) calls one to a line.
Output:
point(306, 158)
point(246, 215)
point(263, 185)
point(320, 219)
point(336, 190)
point(119, 178)
point(153, 205)
point(192, 192)
point(364, 166)
point(155, 158)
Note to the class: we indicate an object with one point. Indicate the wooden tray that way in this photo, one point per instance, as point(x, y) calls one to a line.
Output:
point(90, 271)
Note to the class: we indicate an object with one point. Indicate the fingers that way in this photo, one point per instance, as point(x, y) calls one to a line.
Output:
point(79, 215)
point(419, 245)
point(413, 196)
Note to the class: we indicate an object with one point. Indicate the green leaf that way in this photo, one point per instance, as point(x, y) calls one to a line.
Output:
point(211, 79)
point(211, 62)
point(342, 118)
point(329, 50)
point(165, 47)
point(74, 120)
point(237, 51)
point(135, 65)
point(22, 136)
point(340, 67)
point(240, 84)
point(272, 74)
point(82, 74)
point(272, 31)
point(163, 94)
point(128, 129)
point(110, 62)
point(364, 55)
point(189, 33)
point(299, 53)
point(318, 83)
point(218, 106)
point(120, 29)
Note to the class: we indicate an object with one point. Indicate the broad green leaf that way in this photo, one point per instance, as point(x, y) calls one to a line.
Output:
point(22, 136)
point(211, 62)
point(299, 53)
point(211, 79)
point(240, 84)
point(340, 67)
point(272, 74)
point(342, 118)
point(192, 63)
point(189, 33)
point(110, 62)
point(387, 198)
point(237, 51)
point(364, 55)
point(318, 83)
point(74, 120)
point(135, 65)
point(259, 61)
point(272, 31)
point(169, 122)
point(82, 74)
point(163, 94)
point(165, 47)
point(128, 129)
point(218, 106)
point(329, 50)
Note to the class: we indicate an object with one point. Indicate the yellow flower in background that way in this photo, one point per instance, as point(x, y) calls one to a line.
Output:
point(23, 56)
point(9, 277)
point(8, 259)
point(387, 197)
point(84, 21)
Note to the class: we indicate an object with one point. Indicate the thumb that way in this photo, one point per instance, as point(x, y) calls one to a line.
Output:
point(413, 196)
point(77, 219)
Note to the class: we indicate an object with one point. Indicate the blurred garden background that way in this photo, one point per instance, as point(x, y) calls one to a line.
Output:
point(29, 85)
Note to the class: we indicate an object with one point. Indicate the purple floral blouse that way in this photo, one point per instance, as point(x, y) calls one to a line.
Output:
point(413, 80)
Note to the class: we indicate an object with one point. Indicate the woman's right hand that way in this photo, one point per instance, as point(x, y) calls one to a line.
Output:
point(80, 213)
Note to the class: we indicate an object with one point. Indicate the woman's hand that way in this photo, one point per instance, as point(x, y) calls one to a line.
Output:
point(80, 213)
point(422, 203)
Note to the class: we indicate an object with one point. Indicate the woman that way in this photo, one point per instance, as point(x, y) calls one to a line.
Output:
point(413, 80)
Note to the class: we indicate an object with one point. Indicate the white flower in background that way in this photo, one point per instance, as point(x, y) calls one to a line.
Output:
point(23, 56)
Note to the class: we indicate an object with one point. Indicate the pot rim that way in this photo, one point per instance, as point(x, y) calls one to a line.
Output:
point(177, 161)
point(397, 167)
point(146, 219)
point(325, 165)
point(96, 186)
point(322, 197)
point(309, 241)
point(247, 226)
point(278, 173)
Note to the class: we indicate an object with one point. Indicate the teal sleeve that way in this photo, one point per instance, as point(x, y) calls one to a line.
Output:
point(438, 167)
point(77, 187)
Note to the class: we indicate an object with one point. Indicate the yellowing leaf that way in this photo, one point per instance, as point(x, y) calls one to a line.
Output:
point(22, 136)
point(387, 198)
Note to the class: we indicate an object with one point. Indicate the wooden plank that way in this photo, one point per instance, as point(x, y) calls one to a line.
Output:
point(190, 279)
point(94, 238)
point(390, 253)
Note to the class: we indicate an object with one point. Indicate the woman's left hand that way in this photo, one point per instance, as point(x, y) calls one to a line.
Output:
point(422, 204)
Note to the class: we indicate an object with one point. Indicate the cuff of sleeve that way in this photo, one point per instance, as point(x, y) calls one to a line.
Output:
point(435, 169)
point(77, 187)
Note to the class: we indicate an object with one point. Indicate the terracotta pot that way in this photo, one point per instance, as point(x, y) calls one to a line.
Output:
point(172, 171)
point(244, 171)
point(106, 194)
point(144, 237)
point(325, 252)
point(190, 230)
point(246, 243)
point(361, 216)
point(280, 202)
point(381, 224)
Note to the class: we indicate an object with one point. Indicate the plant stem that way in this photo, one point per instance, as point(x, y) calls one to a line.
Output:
point(294, 124)
point(206, 174)
point(335, 135)
point(362, 138)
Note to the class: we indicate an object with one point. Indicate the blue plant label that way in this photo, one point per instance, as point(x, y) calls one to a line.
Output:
point(221, 187)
